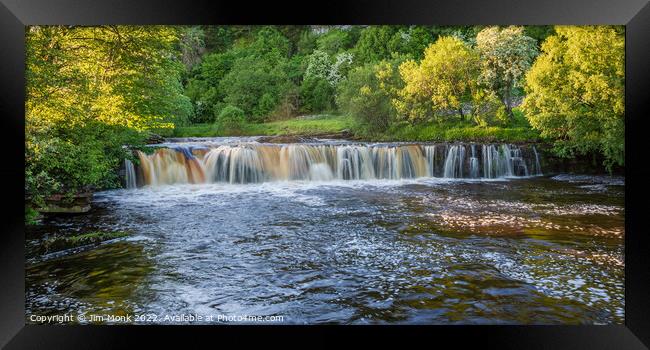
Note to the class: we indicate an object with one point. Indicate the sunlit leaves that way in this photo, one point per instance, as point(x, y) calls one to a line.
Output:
point(443, 80)
point(90, 90)
point(575, 91)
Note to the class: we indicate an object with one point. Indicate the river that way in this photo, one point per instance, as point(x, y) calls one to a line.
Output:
point(325, 246)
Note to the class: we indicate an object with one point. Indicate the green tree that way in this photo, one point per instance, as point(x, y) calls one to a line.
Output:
point(334, 41)
point(367, 94)
point(91, 90)
point(231, 118)
point(506, 55)
point(317, 95)
point(575, 91)
point(378, 42)
point(442, 82)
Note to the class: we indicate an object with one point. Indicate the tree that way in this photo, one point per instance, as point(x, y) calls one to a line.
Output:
point(378, 42)
point(442, 82)
point(367, 93)
point(575, 91)
point(231, 118)
point(320, 65)
point(91, 90)
point(506, 55)
point(317, 94)
point(334, 41)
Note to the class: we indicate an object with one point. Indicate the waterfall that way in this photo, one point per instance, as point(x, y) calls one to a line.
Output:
point(473, 163)
point(430, 153)
point(454, 162)
point(130, 179)
point(538, 167)
point(253, 162)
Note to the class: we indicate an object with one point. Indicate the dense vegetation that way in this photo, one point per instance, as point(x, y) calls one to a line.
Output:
point(92, 90)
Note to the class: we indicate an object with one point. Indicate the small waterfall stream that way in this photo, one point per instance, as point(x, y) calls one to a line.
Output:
point(253, 162)
point(129, 174)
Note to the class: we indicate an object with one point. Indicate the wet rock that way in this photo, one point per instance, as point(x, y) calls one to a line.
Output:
point(155, 139)
point(59, 203)
point(343, 135)
point(285, 139)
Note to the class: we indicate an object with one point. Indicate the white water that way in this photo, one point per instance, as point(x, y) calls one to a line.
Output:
point(252, 162)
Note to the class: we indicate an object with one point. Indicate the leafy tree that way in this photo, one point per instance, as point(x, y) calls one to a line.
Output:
point(539, 33)
point(576, 91)
point(378, 42)
point(307, 42)
point(203, 89)
point(441, 83)
point(320, 65)
point(367, 93)
point(506, 55)
point(90, 90)
point(255, 75)
point(418, 38)
point(334, 41)
point(256, 86)
point(231, 118)
point(317, 94)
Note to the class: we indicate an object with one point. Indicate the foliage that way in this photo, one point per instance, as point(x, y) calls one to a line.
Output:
point(506, 55)
point(367, 94)
point(334, 41)
point(377, 43)
point(441, 83)
point(320, 65)
point(317, 94)
point(455, 131)
point(91, 90)
point(575, 91)
point(231, 119)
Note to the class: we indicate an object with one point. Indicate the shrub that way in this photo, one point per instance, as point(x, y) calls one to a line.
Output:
point(317, 95)
point(231, 118)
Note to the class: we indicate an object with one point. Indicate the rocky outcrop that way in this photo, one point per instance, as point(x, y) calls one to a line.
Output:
point(343, 135)
point(154, 139)
point(58, 203)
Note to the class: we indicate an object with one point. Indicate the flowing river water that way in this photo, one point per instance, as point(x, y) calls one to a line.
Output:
point(342, 233)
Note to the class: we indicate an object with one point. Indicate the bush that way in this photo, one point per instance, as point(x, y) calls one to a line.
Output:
point(317, 95)
point(231, 118)
point(367, 95)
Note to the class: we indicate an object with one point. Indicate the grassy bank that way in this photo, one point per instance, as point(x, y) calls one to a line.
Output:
point(517, 131)
point(456, 132)
point(311, 125)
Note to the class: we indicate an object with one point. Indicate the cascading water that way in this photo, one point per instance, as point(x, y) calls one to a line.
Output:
point(473, 163)
point(254, 162)
point(130, 179)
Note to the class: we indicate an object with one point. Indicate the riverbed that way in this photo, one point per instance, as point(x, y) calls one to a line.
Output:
point(528, 250)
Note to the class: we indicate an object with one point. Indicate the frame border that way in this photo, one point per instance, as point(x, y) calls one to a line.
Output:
point(635, 14)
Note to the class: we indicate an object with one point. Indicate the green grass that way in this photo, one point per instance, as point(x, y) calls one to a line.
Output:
point(313, 125)
point(517, 131)
point(450, 133)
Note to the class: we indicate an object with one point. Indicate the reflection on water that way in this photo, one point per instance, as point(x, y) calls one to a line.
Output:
point(536, 250)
